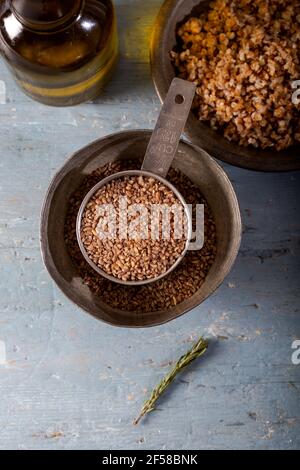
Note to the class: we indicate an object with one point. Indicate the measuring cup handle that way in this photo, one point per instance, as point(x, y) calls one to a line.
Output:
point(165, 138)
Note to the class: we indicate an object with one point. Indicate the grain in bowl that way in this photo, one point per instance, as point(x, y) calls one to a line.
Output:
point(178, 286)
point(134, 228)
point(243, 56)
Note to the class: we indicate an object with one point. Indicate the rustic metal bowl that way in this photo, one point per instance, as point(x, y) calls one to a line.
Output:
point(173, 13)
point(193, 162)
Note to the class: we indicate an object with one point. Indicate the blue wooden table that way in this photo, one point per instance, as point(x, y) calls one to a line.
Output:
point(68, 381)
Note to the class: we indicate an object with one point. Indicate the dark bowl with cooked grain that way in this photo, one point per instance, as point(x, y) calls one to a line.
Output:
point(172, 16)
point(200, 180)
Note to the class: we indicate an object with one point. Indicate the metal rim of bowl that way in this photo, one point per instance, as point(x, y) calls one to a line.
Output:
point(102, 183)
point(199, 133)
point(64, 286)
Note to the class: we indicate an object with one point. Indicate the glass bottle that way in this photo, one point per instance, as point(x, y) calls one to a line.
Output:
point(61, 52)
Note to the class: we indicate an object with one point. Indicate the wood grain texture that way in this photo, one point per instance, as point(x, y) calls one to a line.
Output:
point(71, 382)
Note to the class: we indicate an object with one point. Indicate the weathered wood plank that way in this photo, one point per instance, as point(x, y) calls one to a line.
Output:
point(70, 382)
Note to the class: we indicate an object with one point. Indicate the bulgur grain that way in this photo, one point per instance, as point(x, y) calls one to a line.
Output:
point(143, 254)
point(178, 286)
point(244, 56)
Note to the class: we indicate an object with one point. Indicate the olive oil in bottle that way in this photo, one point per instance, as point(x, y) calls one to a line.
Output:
point(61, 52)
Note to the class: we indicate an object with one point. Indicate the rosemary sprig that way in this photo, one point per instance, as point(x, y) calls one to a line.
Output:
point(197, 350)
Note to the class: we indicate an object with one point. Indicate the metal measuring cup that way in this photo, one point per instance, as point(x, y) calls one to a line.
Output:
point(158, 158)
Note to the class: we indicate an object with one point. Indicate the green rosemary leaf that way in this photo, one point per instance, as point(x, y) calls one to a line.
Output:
point(197, 350)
